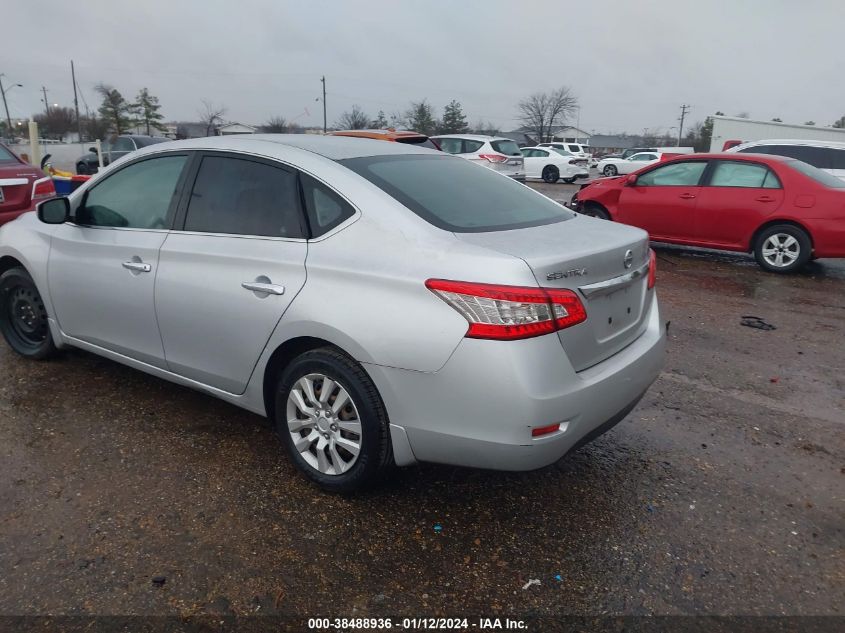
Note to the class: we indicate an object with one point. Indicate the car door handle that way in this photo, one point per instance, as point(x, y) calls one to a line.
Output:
point(765, 199)
point(270, 289)
point(139, 267)
point(687, 196)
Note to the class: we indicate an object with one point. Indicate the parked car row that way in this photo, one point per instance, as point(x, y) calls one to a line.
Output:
point(119, 147)
point(21, 185)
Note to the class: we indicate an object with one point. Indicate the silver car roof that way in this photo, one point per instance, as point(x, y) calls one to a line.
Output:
point(331, 147)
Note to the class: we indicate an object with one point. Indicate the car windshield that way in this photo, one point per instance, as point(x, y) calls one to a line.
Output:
point(143, 142)
point(6, 156)
point(455, 195)
point(507, 147)
point(820, 176)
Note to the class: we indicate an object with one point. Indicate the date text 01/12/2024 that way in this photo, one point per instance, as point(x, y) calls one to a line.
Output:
point(431, 624)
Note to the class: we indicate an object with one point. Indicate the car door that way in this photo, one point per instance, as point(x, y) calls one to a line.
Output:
point(103, 263)
point(533, 159)
point(736, 198)
point(663, 200)
point(231, 268)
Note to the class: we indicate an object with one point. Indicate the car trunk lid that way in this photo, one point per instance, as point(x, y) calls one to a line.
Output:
point(605, 263)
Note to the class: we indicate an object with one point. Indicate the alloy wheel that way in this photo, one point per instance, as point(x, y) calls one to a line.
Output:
point(323, 423)
point(610, 170)
point(781, 250)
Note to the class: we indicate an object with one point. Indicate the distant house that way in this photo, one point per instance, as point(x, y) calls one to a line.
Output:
point(569, 134)
point(521, 137)
point(235, 128)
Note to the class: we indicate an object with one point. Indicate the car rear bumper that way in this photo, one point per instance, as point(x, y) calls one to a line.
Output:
point(479, 409)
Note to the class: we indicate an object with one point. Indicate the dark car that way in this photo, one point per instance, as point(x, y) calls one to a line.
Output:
point(21, 185)
point(118, 148)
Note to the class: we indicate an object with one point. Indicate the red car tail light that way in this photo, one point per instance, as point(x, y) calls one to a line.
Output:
point(43, 188)
point(493, 158)
point(652, 269)
point(507, 313)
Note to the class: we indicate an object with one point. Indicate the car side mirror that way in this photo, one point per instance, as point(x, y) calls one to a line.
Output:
point(631, 180)
point(93, 150)
point(54, 211)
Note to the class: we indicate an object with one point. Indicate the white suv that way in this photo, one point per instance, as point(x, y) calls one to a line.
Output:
point(498, 153)
point(826, 155)
point(581, 151)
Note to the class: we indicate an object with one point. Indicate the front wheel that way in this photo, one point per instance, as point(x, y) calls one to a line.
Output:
point(610, 170)
point(551, 174)
point(568, 181)
point(596, 211)
point(82, 169)
point(23, 317)
point(332, 420)
point(782, 248)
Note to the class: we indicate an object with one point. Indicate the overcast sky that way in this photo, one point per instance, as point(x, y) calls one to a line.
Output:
point(631, 64)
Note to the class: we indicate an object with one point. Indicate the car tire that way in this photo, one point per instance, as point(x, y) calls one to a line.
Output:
point(610, 170)
point(596, 211)
point(23, 316)
point(321, 438)
point(551, 174)
point(568, 181)
point(782, 248)
point(82, 169)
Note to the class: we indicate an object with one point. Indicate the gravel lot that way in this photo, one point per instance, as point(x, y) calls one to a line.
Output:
point(722, 493)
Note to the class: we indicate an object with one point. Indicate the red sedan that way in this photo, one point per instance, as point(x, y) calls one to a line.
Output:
point(21, 185)
point(784, 211)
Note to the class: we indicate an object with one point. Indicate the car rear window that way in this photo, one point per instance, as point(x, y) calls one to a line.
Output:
point(144, 142)
point(506, 147)
point(6, 156)
point(456, 195)
point(419, 141)
point(820, 176)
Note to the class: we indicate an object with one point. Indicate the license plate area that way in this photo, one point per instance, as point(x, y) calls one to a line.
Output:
point(615, 312)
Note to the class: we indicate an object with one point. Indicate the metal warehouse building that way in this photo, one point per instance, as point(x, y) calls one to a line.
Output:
point(728, 128)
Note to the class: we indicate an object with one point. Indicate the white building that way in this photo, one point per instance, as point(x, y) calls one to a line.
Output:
point(235, 128)
point(728, 128)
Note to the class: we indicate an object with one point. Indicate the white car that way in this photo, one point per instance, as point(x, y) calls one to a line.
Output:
point(826, 155)
point(576, 149)
point(498, 153)
point(617, 166)
point(551, 165)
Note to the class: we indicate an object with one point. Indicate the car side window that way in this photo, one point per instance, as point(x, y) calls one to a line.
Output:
point(450, 145)
point(138, 196)
point(244, 197)
point(325, 208)
point(686, 174)
point(541, 153)
point(122, 145)
point(472, 146)
point(741, 174)
point(837, 158)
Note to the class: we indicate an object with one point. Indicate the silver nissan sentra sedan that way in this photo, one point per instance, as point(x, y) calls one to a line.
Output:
point(382, 304)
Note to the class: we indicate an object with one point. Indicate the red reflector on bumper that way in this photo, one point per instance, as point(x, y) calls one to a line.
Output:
point(544, 430)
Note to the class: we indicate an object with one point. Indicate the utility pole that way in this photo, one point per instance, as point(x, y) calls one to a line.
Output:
point(46, 103)
point(5, 105)
point(684, 109)
point(324, 103)
point(76, 103)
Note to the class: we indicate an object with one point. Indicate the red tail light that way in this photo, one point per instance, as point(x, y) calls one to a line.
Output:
point(507, 313)
point(43, 188)
point(538, 431)
point(652, 269)
point(493, 158)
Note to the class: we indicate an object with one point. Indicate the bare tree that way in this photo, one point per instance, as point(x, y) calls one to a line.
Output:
point(356, 119)
point(542, 111)
point(276, 125)
point(211, 116)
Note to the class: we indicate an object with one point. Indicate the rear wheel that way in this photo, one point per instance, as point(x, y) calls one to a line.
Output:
point(332, 420)
point(551, 174)
point(610, 170)
point(782, 248)
point(23, 317)
point(82, 169)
